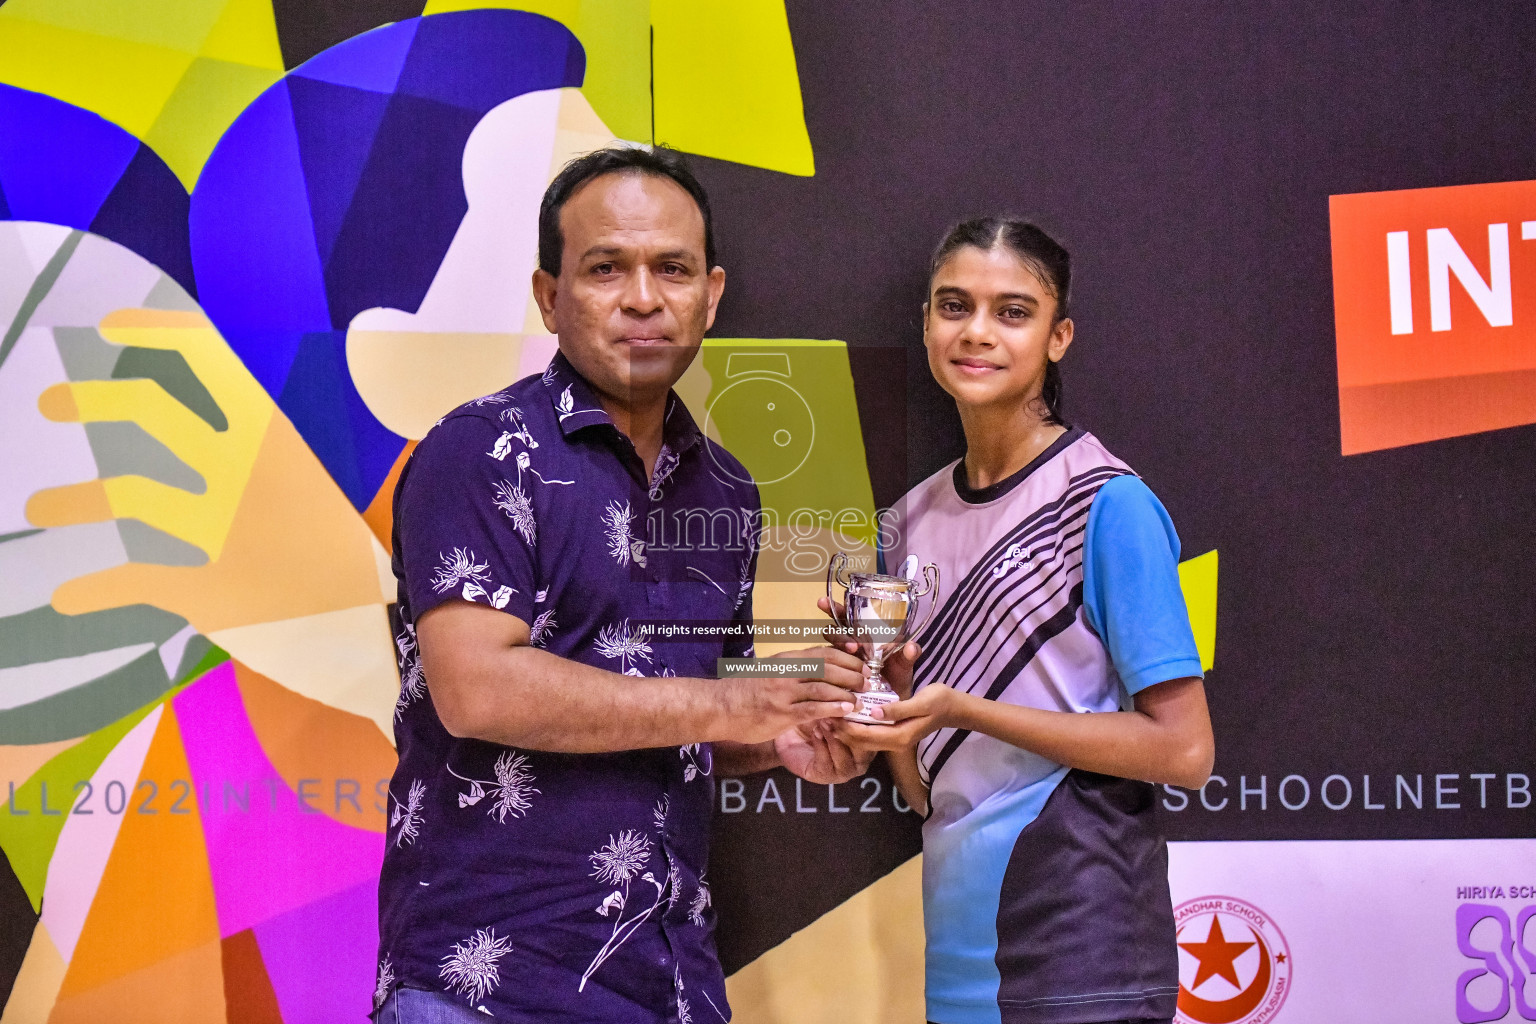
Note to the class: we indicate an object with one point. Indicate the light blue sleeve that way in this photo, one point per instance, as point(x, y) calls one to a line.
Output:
point(1131, 593)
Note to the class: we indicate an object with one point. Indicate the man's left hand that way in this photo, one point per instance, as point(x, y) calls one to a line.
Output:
point(813, 752)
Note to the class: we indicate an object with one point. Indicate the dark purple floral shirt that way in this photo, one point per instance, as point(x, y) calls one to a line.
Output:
point(547, 887)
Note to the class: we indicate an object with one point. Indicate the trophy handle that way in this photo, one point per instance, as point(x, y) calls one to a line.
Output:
point(835, 572)
point(931, 588)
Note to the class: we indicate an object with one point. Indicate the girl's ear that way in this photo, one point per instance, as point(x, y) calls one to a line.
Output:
point(1061, 340)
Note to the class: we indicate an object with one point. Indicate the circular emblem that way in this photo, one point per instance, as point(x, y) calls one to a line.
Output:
point(766, 424)
point(1234, 964)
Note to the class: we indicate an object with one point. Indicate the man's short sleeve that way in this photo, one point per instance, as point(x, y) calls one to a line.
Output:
point(466, 529)
point(1131, 593)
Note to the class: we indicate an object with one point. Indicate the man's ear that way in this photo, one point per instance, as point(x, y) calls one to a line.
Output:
point(716, 289)
point(1061, 340)
point(545, 285)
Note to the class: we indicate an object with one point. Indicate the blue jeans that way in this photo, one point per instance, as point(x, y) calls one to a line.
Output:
point(415, 1006)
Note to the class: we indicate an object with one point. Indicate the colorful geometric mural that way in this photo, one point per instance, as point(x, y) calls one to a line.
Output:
point(248, 255)
point(222, 272)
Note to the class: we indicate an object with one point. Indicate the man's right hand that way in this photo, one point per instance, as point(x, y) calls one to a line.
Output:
point(759, 708)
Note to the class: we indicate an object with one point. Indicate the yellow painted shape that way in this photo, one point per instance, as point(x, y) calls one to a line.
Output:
point(246, 33)
point(412, 379)
point(726, 83)
point(36, 988)
point(210, 95)
point(343, 658)
point(861, 963)
point(296, 547)
point(187, 988)
point(223, 457)
point(1197, 578)
point(126, 83)
point(179, 26)
point(831, 482)
point(155, 899)
point(137, 65)
point(616, 35)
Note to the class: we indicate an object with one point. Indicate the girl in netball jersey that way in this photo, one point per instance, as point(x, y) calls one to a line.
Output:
point(1057, 680)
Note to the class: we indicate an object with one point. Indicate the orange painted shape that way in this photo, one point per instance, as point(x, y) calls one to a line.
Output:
point(187, 988)
point(248, 995)
point(1392, 415)
point(155, 902)
point(58, 404)
point(305, 739)
point(19, 763)
point(1394, 388)
point(295, 547)
point(380, 513)
point(71, 504)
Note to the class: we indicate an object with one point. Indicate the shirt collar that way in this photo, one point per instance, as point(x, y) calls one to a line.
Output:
point(577, 407)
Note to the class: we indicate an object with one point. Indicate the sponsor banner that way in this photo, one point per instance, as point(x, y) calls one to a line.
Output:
point(1435, 309)
point(1413, 932)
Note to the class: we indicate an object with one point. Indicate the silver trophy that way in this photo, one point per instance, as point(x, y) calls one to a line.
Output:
point(878, 611)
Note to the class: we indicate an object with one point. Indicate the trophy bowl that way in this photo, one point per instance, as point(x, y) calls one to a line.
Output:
point(877, 613)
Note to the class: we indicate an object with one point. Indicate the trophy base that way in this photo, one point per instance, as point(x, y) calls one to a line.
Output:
point(873, 699)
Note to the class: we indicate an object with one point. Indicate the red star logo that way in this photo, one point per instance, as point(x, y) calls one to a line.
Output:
point(1216, 955)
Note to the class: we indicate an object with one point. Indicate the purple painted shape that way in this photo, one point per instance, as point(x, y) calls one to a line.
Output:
point(272, 857)
point(320, 957)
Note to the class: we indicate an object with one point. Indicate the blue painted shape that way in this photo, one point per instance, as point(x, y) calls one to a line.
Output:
point(326, 409)
point(257, 235)
point(478, 59)
point(412, 188)
point(375, 65)
point(63, 165)
point(58, 162)
point(253, 240)
point(336, 127)
point(147, 212)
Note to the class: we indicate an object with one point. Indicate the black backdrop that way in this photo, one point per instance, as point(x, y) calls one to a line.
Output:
point(1376, 612)
point(1375, 615)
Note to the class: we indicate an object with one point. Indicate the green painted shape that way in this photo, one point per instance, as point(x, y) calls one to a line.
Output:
point(42, 634)
point(19, 534)
point(210, 95)
point(41, 286)
point(84, 709)
point(169, 369)
point(1198, 579)
point(212, 657)
point(167, 294)
point(147, 545)
point(617, 38)
point(200, 655)
point(809, 383)
point(179, 26)
point(85, 353)
point(616, 35)
point(29, 838)
point(127, 449)
point(726, 85)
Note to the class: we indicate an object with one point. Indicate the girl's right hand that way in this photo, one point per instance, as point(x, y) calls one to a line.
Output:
point(910, 719)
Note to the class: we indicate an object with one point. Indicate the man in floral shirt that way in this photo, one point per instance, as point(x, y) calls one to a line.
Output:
point(549, 819)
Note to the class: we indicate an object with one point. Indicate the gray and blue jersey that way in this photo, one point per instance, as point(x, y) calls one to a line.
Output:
point(1045, 889)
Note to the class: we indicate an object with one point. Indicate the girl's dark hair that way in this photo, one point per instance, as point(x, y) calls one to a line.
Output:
point(1038, 251)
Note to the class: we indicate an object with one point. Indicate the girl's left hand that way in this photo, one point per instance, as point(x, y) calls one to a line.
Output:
point(910, 719)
